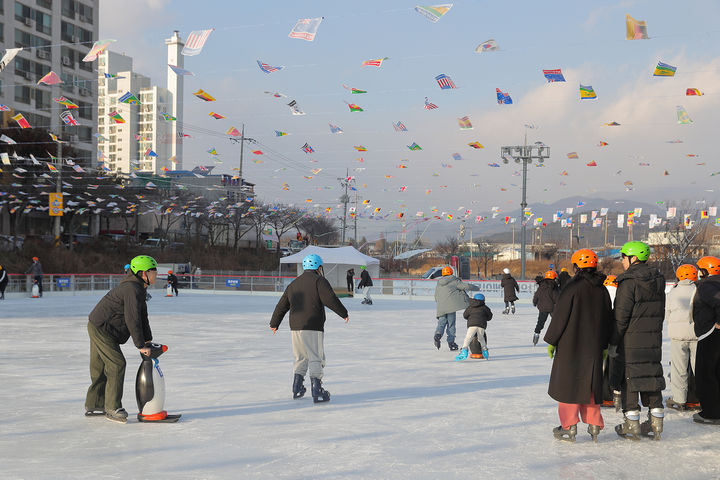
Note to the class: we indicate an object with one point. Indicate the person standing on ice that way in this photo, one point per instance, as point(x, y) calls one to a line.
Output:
point(3, 282)
point(563, 278)
point(707, 328)
point(172, 280)
point(119, 315)
point(365, 283)
point(544, 299)
point(577, 339)
point(637, 341)
point(509, 286)
point(450, 297)
point(477, 315)
point(350, 278)
point(306, 298)
point(36, 271)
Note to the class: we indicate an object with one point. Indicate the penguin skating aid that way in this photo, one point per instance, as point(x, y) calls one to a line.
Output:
point(150, 388)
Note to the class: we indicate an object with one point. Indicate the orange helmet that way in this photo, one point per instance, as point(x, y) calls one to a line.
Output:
point(551, 274)
point(687, 272)
point(36, 259)
point(169, 272)
point(447, 271)
point(610, 281)
point(711, 264)
point(584, 258)
point(563, 269)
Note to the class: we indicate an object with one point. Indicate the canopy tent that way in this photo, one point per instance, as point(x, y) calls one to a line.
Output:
point(336, 263)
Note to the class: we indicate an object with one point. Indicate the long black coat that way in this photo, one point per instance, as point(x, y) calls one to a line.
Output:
point(563, 279)
point(365, 280)
point(639, 315)
point(510, 286)
point(546, 295)
point(706, 306)
point(580, 329)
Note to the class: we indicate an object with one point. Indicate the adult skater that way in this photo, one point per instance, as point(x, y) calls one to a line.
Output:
point(36, 271)
point(450, 297)
point(3, 282)
point(544, 299)
point(365, 283)
point(577, 337)
point(477, 315)
point(350, 278)
point(172, 280)
point(637, 341)
point(683, 342)
point(306, 298)
point(563, 278)
point(510, 286)
point(707, 328)
point(119, 315)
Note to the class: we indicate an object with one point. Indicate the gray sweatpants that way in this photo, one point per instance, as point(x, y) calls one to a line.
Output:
point(471, 332)
point(309, 352)
point(680, 353)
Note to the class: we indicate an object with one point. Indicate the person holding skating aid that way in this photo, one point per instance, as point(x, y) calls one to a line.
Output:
point(306, 298)
point(450, 297)
point(477, 315)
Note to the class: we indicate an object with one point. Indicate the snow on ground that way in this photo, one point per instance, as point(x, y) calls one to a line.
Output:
point(399, 408)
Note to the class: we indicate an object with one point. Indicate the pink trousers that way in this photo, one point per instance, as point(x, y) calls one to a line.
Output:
point(590, 413)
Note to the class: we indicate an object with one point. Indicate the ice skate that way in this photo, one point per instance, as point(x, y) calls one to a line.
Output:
point(453, 346)
point(594, 431)
point(653, 426)
point(536, 337)
point(95, 412)
point(369, 302)
point(697, 418)
point(298, 387)
point(119, 415)
point(506, 311)
point(512, 309)
point(630, 428)
point(565, 434)
point(364, 301)
point(462, 355)
point(670, 403)
point(486, 354)
point(436, 339)
point(319, 394)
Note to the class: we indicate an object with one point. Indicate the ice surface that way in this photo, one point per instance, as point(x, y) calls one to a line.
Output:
point(399, 408)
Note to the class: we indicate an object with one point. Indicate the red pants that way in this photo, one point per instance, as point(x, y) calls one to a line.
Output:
point(590, 413)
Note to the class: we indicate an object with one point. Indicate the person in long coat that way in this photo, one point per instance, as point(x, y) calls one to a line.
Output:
point(509, 286)
point(577, 337)
point(637, 340)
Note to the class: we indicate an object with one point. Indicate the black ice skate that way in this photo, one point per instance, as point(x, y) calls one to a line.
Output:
point(512, 309)
point(653, 426)
point(670, 403)
point(697, 418)
point(630, 428)
point(536, 337)
point(319, 394)
point(298, 387)
point(565, 434)
point(119, 415)
point(594, 431)
point(506, 311)
point(453, 346)
point(437, 340)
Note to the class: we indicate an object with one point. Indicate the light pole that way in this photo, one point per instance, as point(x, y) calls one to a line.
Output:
point(242, 141)
point(524, 154)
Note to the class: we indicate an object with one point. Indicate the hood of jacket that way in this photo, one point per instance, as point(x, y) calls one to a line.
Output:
point(645, 273)
point(594, 277)
point(475, 303)
point(447, 279)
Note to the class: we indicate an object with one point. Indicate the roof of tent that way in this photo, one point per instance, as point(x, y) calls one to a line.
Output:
point(344, 255)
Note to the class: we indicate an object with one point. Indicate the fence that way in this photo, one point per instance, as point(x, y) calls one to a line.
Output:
point(79, 283)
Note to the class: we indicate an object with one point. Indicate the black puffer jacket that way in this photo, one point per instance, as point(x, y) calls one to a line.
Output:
point(122, 313)
point(365, 280)
point(563, 279)
point(510, 286)
point(546, 295)
point(706, 305)
point(639, 315)
point(306, 298)
point(477, 313)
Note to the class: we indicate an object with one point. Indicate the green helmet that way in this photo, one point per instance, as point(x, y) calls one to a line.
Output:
point(639, 249)
point(142, 263)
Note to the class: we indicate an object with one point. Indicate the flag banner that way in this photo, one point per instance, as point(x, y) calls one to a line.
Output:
point(195, 42)
point(21, 121)
point(503, 98)
point(306, 28)
point(603, 211)
point(65, 102)
point(4, 158)
point(572, 155)
point(671, 212)
point(112, 76)
point(97, 48)
point(269, 68)
point(335, 128)
point(354, 108)
point(216, 116)
point(8, 56)
point(682, 116)
point(664, 70)
point(278, 133)
point(233, 132)
point(476, 145)
point(487, 46)
point(693, 92)
point(307, 148)
point(167, 117)
point(587, 92)
point(554, 75)
point(429, 105)
point(638, 211)
point(354, 90)
point(68, 118)
point(433, 12)
point(129, 98)
point(373, 63)
point(636, 29)
point(180, 70)
point(55, 202)
point(712, 211)
point(464, 123)
point(203, 95)
point(6, 139)
point(115, 116)
point(445, 82)
point(4, 108)
point(400, 127)
point(51, 78)
point(295, 108)
point(414, 146)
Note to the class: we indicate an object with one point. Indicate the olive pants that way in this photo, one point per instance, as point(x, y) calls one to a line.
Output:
point(107, 372)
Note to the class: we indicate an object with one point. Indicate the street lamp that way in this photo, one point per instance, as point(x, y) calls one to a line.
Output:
point(524, 154)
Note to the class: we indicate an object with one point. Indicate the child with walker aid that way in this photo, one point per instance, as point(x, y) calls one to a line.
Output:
point(477, 315)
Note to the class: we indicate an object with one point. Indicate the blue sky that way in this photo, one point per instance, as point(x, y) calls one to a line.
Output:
point(587, 41)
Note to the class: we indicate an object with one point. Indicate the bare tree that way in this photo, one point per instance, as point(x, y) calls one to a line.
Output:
point(682, 239)
point(486, 254)
point(320, 227)
point(449, 247)
point(283, 218)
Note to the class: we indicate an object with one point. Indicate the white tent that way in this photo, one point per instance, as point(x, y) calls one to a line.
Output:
point(336, 263)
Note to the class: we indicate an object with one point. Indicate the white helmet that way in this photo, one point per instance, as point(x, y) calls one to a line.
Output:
point(506, 270)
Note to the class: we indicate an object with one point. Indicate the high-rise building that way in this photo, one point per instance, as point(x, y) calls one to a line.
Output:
point(55, 35)
point(140, 136)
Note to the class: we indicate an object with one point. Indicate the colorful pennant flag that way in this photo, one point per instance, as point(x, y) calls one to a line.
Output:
point(21, 121)
point(354, 108)
point(476, 145)
point(373, 63)
point(682, 116)
point(278, 133)
point(464, 123)
point(307, 148)
point(306, 28)
point(67, 103)
point(335, 128)
point(664, 70)
point(295, 108)
point(400, 127)
point(150, 153)
point(587, 92)
point(592, 164)
point(354, 90)
point(360, 148)
point(233, 132)
point(51, 78)
point(168, 117)
point(572, 155)
point(112, 76)
point(414, 146)
point(68, 118)
point(195, 42)
point(203, 95)
point(503, 98)
point(212, 151)
point(115, 116)
point(179, 70)
point(554, 75)
point(129, 98)
point(269, 68)
point(636, 29)
point(216, 116)
point(429, 105)
point(5, 108)
point(445, 82)
point(487, 46)
point(693, 92)
point(97, 48)
point(433, 12)
point(8, 56)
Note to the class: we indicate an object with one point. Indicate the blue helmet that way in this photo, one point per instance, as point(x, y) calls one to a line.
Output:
point(479, 296)
point(312, 262)
point(126, 267)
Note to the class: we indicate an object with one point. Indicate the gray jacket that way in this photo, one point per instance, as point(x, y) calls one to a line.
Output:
point(35, 269)
point(450, 294)
point(678, 311)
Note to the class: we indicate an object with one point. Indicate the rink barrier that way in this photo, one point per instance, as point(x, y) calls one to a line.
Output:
point(82, 283)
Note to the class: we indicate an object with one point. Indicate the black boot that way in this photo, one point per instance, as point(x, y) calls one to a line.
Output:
point(298, 387)
point(453, 346)
point(319, 394)
point(437, 338)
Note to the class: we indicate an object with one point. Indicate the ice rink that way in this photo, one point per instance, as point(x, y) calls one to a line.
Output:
point(399, 408)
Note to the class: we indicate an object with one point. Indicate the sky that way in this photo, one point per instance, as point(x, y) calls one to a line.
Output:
point(586, 41)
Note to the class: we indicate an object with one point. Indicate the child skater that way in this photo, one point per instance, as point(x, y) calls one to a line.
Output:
point(477, 315)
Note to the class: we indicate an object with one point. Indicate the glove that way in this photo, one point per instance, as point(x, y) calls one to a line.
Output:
point(605, 354)
point(612, 351)
point(551, 351)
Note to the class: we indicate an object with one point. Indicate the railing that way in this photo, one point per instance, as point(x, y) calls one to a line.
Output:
point(79, 283)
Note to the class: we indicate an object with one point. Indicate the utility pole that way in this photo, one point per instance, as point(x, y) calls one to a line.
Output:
point(524, 154)
point(242, 141)
point(58, 189)
point(355, 218)
point(345, 199)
